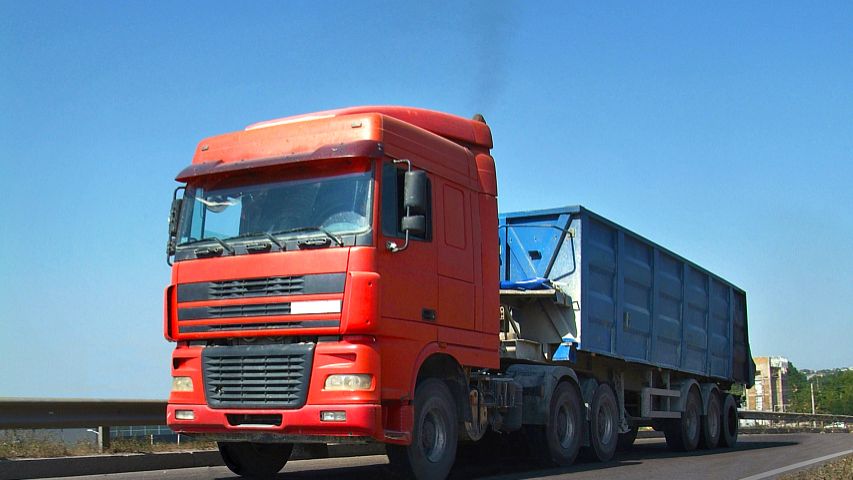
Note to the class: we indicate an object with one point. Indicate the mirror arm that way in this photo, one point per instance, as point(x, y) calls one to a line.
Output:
point(406, 161)
point(391, 245)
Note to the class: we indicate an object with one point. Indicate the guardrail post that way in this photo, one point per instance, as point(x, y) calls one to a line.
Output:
point(103, 439)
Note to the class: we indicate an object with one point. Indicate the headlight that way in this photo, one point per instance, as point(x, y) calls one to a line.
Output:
point(349, 382)
point(182, 384)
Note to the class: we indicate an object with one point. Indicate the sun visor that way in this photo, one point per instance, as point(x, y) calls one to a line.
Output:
point(359, 148)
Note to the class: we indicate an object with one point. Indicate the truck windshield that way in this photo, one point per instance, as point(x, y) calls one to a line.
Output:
point(331, 206)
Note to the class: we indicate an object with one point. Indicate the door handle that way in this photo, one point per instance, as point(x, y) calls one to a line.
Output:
point(428, 314)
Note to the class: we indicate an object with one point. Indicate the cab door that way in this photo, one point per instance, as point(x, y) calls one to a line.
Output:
point(409, 287)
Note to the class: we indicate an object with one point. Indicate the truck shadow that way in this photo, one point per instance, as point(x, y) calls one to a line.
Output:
point(520, 467)
point(504, 464)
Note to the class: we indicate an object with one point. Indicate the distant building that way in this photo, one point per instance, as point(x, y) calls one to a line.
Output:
point(770, 392)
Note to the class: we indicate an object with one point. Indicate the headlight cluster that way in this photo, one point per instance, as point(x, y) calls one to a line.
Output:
point(182, 384)
point(349, 382)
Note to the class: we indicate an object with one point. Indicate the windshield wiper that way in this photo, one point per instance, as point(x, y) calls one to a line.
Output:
point(209, 251)
point(268, 236)
point(311, 229)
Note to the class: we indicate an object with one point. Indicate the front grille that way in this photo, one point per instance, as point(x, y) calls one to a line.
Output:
point(257, 326)
point(262, 287)
point(226, 311)
point(256, 287)
point(257, 376)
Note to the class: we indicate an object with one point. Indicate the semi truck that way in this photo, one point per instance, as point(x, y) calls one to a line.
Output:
point(345, 277)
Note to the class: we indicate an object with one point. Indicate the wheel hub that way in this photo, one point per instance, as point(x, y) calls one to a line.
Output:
point(605, 426)
point(566, 427)
point(434, 436)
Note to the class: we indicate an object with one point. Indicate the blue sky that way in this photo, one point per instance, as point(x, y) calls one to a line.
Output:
point(723, 131)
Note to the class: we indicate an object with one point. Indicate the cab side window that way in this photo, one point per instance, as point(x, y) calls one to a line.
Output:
point(392, 204)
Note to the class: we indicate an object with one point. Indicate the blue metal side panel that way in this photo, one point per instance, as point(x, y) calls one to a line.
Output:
point(598, 287)
point(743, 367)
point(719, 350)
point(638, 301)
point(668, 319)
point(695, 342)
point(635, 278)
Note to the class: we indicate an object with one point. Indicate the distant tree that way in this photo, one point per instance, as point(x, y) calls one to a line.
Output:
point(799, 396)
point(835, 393)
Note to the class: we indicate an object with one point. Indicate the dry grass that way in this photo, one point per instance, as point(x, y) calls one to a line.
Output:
point(141, 446)
point(836, 469)
point(34, 444)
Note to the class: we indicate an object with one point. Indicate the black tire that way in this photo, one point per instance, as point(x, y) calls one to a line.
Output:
point(683, 434)
point(434, 436)
point(255, 460)
point(711, 423)
point(603, 424)
point(626, 440)
point(558, 441)
point(728, 423)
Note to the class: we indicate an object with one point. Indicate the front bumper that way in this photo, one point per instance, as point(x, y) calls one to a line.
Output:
point(363, 423)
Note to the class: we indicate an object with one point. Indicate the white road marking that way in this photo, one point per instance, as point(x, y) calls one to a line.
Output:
point(795, 466)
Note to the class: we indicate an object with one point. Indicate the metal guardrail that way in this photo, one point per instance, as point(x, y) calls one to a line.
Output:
point(794, 417)
point(786, 417)
point(26, 413)
point(79, 413)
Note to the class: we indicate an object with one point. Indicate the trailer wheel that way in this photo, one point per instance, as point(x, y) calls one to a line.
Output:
point(255, 460)
point(729, 423)
point(626, 440)
point(434, 436)
point(603, 424)
point(711, 423)
point(558, 441)
point(683, 434)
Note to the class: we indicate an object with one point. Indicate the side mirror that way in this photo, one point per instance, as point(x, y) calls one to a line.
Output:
point(415, 193)
point(174, 213)
point(173, 216)
point(416, 202)
point(414, 224)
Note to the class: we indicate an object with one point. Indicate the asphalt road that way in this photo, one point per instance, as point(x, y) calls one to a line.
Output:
point(756, 456)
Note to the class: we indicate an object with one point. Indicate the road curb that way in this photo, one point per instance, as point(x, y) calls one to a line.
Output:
point(139, 462)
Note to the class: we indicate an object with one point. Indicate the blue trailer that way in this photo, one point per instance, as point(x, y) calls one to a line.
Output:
point(667, 337)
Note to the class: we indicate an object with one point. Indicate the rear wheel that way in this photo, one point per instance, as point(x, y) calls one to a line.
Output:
point(558, 441)
point(683, 434)
point(255, 460)
point(626, 440)
point(603, 424)
point(711, 423)
point(433, 448)
point(729, 423)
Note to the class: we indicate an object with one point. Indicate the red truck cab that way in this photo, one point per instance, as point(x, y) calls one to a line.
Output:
point(323, 266)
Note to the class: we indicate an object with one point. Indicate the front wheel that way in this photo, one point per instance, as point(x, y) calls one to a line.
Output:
point(433, 448)
point(255, 460)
